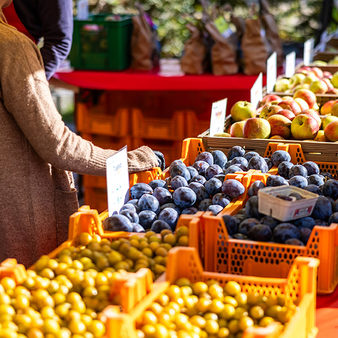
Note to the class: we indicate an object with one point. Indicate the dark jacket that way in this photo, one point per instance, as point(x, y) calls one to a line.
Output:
point(52, 20)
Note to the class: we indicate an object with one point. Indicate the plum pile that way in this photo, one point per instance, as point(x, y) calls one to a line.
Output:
point(250, 224)
point(189, 189)
point(209, 309)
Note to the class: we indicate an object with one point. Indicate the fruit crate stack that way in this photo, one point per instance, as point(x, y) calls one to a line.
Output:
point(105, 120)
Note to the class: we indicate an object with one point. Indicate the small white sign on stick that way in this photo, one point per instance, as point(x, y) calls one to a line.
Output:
point(290, 64)
point(256, 92)
point(117, 181)
point(218, 112)
point(308, 51)
point(82, 10)
point(271, 72)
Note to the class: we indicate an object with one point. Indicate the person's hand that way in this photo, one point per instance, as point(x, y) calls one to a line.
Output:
point(161, 160)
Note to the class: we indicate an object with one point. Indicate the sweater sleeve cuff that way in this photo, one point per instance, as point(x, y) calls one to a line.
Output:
point(140, 159)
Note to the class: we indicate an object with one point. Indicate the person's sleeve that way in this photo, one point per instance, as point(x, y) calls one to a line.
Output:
point(26, 96)
point(56, 17)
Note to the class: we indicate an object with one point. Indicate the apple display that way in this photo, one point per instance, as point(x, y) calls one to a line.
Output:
point(237, 129)
point(331, 131)
point(304, 127)
point(306, 95)
point(280, 125)
point(257, 128)
point(242, 110)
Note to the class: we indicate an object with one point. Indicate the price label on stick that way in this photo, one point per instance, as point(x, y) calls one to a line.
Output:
point(117, 181)
point(290, 64)
point(82, 10)
point(256, 92)
point(308, 52)
point(217, 119)
point(271, 72)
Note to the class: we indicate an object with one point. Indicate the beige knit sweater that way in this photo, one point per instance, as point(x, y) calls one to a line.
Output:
point(36, 152)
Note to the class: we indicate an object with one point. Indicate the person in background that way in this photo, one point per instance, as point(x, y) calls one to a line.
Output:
point(51, 20)
point(37, 153)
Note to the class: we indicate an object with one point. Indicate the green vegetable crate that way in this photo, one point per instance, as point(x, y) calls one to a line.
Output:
point(102, 43)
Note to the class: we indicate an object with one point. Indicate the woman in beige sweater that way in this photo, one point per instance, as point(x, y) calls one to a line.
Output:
point(37, 151)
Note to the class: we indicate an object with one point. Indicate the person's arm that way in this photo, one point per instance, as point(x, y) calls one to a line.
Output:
point(56, 17)
point(26, 96)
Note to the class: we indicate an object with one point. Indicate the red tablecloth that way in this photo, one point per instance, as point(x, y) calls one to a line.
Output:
point(151, 81)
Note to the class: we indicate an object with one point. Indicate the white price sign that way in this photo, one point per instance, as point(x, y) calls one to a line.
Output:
point(256, 92)
point(117, 181)
point(271, 72)
point(290, 64)
point(308, 52)
point(82, 10)
point(218, 112)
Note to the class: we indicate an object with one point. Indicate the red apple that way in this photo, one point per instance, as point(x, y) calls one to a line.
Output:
point(270, 98)
point(269, 109)
point(328, 119)
point(333, 91)
point(304, 69)
point(257, 128)
point(307, 95)
point(242, 110)
point(304, 127)
point(287, 113)
point(331, 131)
point(327, 106)
point(302, 104)
point(290, 105)
point(237, 129)
point(317, 71)
point(327, 75)
point(328, 83)
point(314, 114)
point(280, 125)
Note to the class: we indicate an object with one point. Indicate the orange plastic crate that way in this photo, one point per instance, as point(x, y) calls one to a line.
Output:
point(158, 127)
point(191, 147)
point(194, 124)
point(109, 142)
point(90, 221)
point(298, 287)
point(252, 258)
point(116, 124)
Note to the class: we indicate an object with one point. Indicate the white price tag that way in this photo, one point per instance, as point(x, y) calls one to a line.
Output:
point(308, 52)
point(117, 181)
point(256, 92)
point(290, 64)
point(218, 112)
point(271, 72)
point(82, 10)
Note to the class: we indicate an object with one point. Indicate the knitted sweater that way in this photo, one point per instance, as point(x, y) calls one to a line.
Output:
point(37, 150)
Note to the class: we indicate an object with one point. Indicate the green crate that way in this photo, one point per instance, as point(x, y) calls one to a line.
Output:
point(102, 43)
